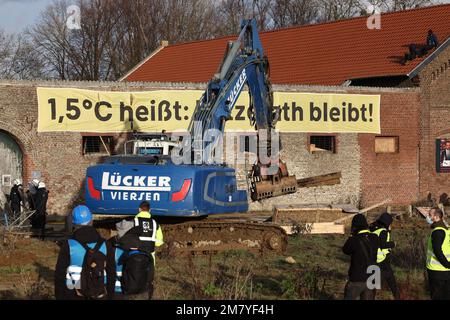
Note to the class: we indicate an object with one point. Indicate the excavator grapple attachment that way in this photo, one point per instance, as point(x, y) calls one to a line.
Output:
point(265, 186)
point(268, 189)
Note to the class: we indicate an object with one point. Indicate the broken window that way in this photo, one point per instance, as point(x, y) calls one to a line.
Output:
point(319, 143)
point(386, 144)
point(97, 145)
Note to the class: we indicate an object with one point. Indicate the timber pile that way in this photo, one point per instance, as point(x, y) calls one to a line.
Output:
point(310, 219)
point(317, 219)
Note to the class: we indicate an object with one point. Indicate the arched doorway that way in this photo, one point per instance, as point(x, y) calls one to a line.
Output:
point(11, 161)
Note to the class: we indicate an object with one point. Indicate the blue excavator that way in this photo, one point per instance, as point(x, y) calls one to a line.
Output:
point(198, 187)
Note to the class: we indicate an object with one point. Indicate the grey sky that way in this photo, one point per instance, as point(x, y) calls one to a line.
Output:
point(15, 15)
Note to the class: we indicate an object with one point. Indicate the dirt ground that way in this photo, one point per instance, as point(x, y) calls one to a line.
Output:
point(319, 271)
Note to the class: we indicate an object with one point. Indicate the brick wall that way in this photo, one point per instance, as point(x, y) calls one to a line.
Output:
point(392, 175)
point(434, 122)
point(59, 158)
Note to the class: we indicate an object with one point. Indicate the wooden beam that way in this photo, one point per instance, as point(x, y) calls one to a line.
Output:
point(423, 211)
point(322, 180)
point(365, 210)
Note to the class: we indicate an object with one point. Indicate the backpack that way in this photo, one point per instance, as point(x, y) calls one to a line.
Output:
point(93, 270)
point(135, 272)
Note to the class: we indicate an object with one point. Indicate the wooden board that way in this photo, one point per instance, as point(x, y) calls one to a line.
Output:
point(306, 215)
point(326, 228)
point(318, 228)
point(423, 210)
point(322, 180)
point(386, 144)
point(365, 210)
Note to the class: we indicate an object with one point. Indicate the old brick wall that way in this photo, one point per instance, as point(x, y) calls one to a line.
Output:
point(435, 123)
point(56, 155)
point(393, 176)
point(367, 178)
point(303, 164)
point(59, 158)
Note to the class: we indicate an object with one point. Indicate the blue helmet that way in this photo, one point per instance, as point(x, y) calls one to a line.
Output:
point(81, 215)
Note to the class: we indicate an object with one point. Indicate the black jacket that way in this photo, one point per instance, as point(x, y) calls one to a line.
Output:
point(437, 238)
point(363, 251)
point(15, 196)
point(41, 198)
point(85, 234)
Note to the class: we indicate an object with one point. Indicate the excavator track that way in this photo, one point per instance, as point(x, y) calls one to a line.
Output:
point(212, 236)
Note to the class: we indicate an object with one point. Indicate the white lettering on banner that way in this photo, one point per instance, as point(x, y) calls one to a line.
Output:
point(237, 87)
point(135, 183)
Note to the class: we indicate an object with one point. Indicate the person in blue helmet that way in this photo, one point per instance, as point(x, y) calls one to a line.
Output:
point(72, 253)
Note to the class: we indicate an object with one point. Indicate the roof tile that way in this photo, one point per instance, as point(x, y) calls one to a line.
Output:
point(324, 54)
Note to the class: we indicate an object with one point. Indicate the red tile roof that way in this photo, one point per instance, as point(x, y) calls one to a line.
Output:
point(325, 54)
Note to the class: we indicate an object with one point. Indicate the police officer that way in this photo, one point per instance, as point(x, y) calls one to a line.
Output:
point(31, 193)
point(438, 256)
point(15, 198)
point(382, 228)
point(141, 234)
point(40, 201)
point(71, 255)
point(31, 200)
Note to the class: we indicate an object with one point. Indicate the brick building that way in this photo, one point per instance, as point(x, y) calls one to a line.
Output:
point(415, 109)
point(60, 160)
point(347, 53)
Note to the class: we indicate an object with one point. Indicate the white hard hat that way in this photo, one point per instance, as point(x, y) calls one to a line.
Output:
point(17, 182)
point(35, 182)
point(41, 185)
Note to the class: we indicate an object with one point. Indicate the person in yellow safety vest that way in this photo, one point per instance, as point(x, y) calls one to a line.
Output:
point(382, 228)
point(144, 212)
point(438, 256)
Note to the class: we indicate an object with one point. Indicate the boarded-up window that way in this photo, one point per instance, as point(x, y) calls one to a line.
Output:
point(97, 145)
point(386, 144)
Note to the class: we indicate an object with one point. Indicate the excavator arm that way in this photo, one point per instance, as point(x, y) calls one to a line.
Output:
point(244, 64)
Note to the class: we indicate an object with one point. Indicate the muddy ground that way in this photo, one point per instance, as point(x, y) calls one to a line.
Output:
point(319, 271)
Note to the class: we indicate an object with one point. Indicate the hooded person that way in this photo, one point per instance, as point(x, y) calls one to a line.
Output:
point(135, 255)
point(382, 228)
point(118, 253)
point(362, 247)
point(71, 255)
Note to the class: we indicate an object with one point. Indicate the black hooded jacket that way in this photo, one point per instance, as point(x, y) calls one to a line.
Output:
point(362, 248)
point(85, 234)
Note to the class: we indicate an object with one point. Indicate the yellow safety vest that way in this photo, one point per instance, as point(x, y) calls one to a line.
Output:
point(433, 263)
point(159, 235)
point(382, 253)
point(364, 231)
